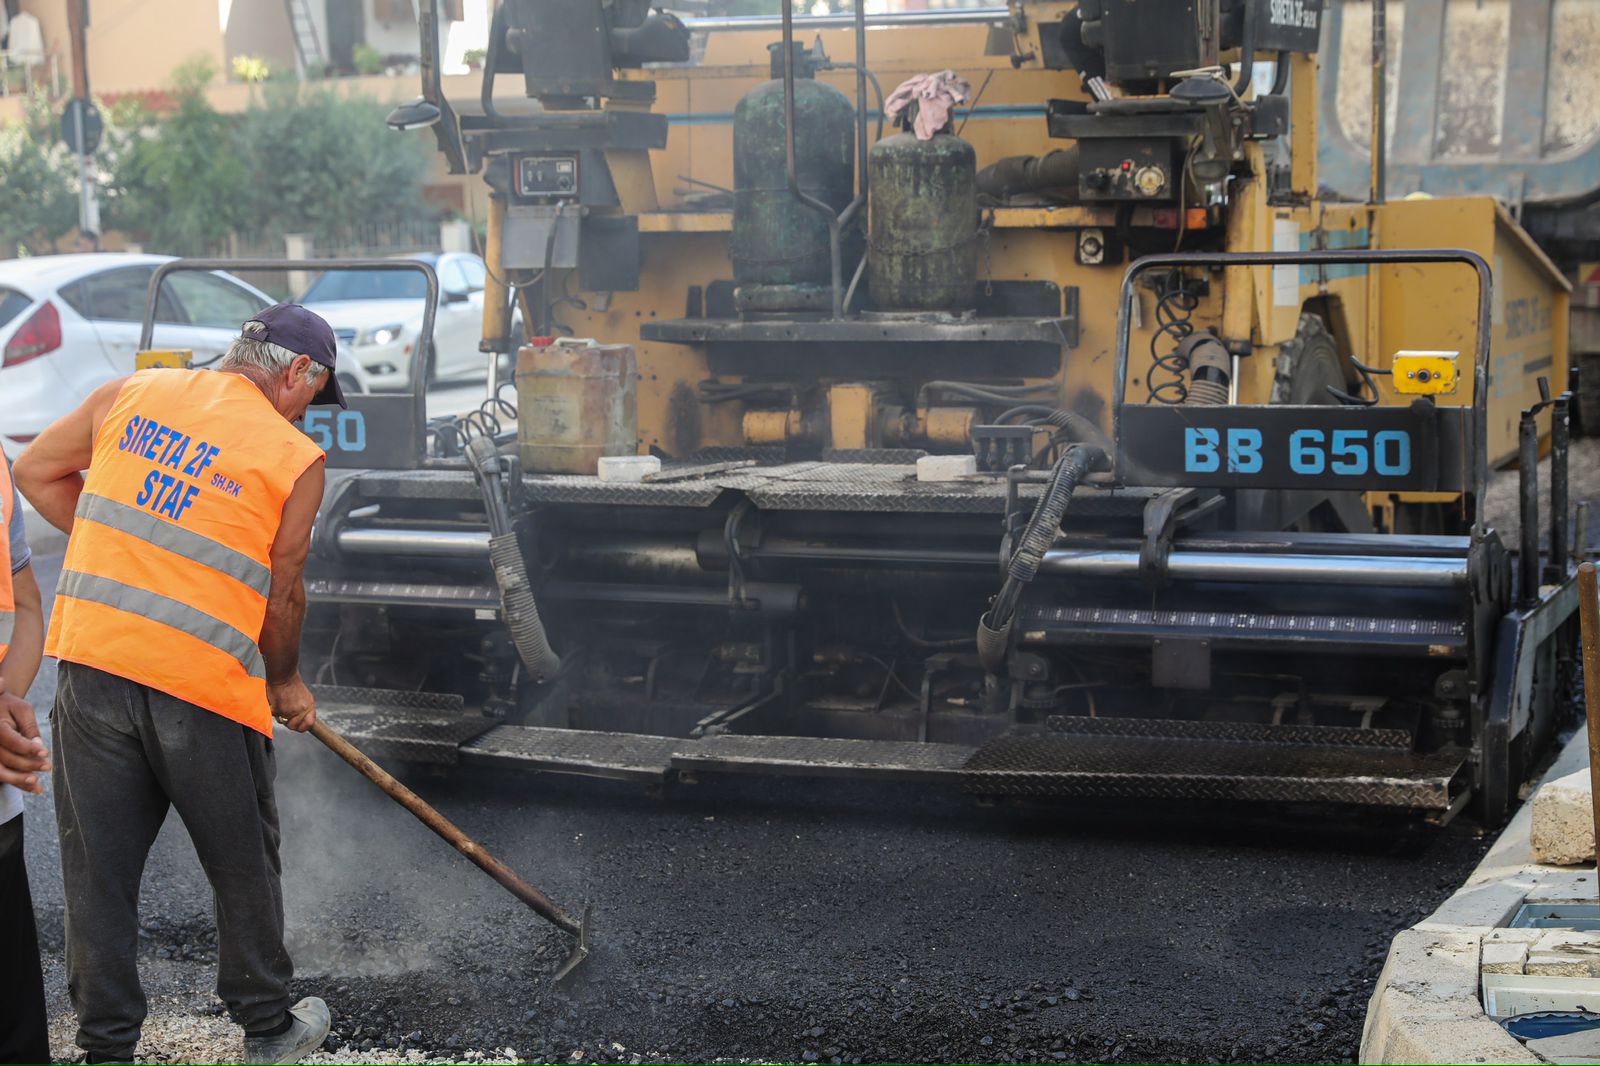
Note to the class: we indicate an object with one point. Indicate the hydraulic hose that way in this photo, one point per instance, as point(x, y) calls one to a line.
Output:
point(994, 628)
point(510, 570)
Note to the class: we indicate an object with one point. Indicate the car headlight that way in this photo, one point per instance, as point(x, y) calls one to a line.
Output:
point(379, 334)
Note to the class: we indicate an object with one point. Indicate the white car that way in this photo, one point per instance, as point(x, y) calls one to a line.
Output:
point(69, 323)
point(378, 313)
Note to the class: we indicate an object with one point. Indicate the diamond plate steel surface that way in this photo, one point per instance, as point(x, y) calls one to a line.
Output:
point(405, 726)
point(1250, 732)
point(896, 456)
point(418, 484)
point(625, 756)
point(823, 757)
point(1180, 768)
point(389, 697)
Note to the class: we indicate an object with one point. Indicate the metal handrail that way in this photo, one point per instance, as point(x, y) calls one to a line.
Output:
point(1357, 256)
point(419, 354)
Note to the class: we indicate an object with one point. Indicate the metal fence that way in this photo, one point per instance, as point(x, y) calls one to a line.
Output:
point(402, 237)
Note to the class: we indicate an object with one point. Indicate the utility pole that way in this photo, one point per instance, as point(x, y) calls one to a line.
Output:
point(88, 203)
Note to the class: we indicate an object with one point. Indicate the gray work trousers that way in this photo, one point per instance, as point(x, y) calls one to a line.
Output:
point(123, 753)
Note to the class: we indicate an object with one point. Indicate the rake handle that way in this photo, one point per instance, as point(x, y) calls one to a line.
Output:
point(546, 907)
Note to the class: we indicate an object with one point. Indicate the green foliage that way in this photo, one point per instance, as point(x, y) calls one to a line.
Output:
point(366, 59)
point(322, 164)
point(181, 187)
point(301, 159)
point(38, 182)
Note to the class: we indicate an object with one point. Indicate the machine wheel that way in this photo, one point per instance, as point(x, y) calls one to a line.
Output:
point(1307, 365)
point(1588, 411)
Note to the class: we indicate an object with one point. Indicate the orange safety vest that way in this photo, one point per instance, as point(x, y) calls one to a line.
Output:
point(168, 568)
point(8, 599)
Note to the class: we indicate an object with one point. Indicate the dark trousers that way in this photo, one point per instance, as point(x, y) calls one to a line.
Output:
point(123, 754)
point(23, 1036)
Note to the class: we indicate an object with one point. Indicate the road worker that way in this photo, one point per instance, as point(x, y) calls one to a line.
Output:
point(177, 623)
point(23, 758)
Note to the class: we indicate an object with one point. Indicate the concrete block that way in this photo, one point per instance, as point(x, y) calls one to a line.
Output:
point(628, 468)
point(1570, 885)
point(1565, 953)
point(1488, 905)
point(946, 467)
point(1507, 956)
point(1425, 1006)
point(1563, 821)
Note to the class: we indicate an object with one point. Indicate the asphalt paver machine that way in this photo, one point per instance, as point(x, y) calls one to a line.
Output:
point(1080, 448)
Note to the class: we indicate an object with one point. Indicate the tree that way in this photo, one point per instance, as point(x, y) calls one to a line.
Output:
point(38, 182)
point(324, 164)
point(300, 159)
point(181, 187)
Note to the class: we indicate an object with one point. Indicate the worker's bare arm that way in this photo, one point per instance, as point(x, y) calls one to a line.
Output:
point(21, 664)
point(50, 472)
point(291, 701)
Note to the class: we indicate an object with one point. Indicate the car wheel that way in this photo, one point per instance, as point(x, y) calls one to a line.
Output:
point(349, 384)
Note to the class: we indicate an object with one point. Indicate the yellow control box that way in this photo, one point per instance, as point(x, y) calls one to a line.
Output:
point(1425, 373)
point(182, 358)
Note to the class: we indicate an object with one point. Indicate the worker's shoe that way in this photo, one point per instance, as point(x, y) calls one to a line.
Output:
point(308, 1028)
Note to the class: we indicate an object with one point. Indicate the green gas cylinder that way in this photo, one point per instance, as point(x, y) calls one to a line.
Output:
point(923, 215)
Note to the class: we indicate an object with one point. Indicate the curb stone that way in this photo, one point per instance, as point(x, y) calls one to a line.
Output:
point(1425, 1007)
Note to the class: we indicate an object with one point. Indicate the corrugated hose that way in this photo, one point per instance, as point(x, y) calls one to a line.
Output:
point(510, 569)
point(994, 628)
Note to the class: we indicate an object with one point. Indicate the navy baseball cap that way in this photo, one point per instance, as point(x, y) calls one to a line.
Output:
point(303, 333)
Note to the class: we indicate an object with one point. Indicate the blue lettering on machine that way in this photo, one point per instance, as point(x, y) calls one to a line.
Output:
point(167, 489)
point(1407, 443)
point(1410, 448)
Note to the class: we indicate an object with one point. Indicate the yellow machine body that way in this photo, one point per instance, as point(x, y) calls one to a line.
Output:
point(1368, 311)
point(182, 358)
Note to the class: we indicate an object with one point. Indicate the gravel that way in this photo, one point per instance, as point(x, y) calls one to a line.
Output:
point(796, 921)
point(1583, 483)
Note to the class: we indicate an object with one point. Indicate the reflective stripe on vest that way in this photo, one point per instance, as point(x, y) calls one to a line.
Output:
point(168, 569)
point(168, 612)
point(175, 539)
point(8, 603)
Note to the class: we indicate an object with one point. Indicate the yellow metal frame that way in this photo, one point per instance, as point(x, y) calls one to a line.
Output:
point(1369, 311)
point(153, 358)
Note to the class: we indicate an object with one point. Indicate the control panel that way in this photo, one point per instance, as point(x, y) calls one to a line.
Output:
point(1126, 169)
point(547, 177)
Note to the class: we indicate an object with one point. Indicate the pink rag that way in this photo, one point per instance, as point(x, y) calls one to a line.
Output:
point(935, 95)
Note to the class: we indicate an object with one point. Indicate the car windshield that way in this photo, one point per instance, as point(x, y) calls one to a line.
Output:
point(367, 285)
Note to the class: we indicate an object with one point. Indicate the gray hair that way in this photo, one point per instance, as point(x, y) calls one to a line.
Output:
point(248, 354)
